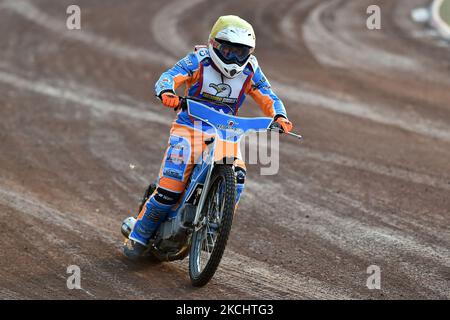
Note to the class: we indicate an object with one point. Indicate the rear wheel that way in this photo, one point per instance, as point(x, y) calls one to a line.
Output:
point(209, 242)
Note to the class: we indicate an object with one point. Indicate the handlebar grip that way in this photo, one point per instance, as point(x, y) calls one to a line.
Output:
point(182, 105)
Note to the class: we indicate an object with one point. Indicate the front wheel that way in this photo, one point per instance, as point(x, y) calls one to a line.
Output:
point(209, 242)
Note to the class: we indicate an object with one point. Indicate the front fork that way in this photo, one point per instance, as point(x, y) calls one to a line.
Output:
point(197, 223)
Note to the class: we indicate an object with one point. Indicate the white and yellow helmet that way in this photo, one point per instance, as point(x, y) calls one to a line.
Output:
point(231, 42)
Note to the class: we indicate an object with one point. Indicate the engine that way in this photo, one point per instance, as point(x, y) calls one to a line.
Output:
point(173, 233)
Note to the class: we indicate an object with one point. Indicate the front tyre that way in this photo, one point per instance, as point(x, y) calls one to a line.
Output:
point(209, 242)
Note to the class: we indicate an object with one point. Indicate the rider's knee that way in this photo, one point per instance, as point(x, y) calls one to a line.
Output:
point(166, 197)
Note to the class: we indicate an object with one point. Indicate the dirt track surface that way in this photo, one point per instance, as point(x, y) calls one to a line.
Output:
point(370, 185)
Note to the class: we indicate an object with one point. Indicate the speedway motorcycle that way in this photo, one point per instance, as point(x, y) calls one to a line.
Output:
point(200, 224)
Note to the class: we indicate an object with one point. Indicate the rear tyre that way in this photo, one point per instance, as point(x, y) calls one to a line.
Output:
point(209, 242)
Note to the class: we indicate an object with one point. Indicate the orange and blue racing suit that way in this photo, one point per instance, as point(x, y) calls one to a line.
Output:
point(203, 80)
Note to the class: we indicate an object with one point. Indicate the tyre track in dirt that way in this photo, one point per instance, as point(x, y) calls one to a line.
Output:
point(29, 11)
point(178, 46)
point(318, 37)
point(379, 51)
point(385, 51)
point(270, 284)
point(369, 241)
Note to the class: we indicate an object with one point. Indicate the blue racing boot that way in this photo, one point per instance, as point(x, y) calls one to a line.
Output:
point(145, 227)
point(133, 250)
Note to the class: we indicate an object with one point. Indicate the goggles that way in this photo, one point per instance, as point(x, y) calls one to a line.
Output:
point(231, 52)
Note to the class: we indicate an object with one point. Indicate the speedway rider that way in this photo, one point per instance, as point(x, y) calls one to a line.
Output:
point(224, 71)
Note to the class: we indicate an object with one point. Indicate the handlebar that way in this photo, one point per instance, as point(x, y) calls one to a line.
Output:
point(183, 106)
point(183, 102)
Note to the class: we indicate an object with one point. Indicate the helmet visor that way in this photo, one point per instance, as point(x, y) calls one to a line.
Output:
point(231, 52)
